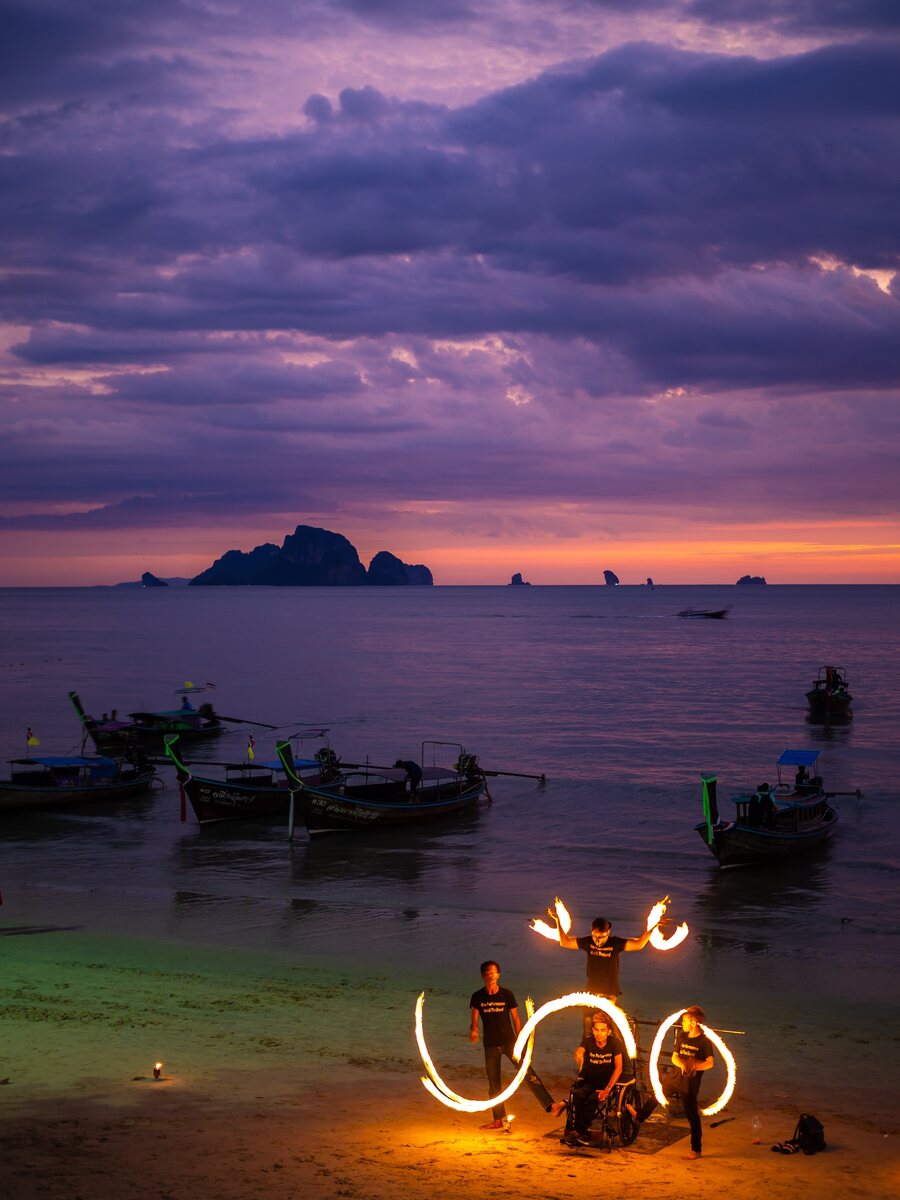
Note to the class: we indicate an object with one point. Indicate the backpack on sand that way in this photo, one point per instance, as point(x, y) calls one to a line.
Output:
point(809, 1136)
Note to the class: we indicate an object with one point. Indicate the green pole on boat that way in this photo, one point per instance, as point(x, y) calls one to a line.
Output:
point(181, 771)
point(709, 805)
point(286, 757)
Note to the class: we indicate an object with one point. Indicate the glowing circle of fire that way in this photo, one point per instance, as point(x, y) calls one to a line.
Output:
point(727, 1058)
point(656, 914)
point(578, 1000)
point(445, 1094)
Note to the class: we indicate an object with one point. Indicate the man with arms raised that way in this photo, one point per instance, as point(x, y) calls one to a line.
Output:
point(602, 950)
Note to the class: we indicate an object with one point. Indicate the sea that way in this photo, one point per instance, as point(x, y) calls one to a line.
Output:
point(605, 691)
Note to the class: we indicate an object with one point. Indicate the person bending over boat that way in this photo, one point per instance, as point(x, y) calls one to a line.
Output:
point(602, 950)
point(692, 1056)
point(599, 1058)
point(413, 774)
point(500, 1023)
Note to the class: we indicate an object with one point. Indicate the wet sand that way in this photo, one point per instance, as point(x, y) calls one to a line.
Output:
point(283, 1079)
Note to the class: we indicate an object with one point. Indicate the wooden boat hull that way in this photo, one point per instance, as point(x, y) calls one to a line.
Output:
point(822, 705)
point(19, 797)
point(739, 845)
point(150, 736)
point(325, 810)
point(214, 800)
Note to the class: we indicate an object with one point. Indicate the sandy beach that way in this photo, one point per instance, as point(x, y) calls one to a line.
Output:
point(284, 1080)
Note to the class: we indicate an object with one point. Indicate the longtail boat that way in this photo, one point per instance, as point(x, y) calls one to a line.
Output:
point(829, 695)
point(704, 614)
point(771, 823)
point(372, 797)
point(149, 728)
point(245, 790)
point(60, 781)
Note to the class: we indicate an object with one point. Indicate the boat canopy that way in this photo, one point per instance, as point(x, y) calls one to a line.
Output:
point(798, 758)
point(76, 760)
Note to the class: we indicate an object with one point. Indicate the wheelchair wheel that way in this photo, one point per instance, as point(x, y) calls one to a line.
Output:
point(628, 1125)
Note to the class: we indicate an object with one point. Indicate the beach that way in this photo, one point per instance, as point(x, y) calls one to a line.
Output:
point(276, 981)
point(282, 1080)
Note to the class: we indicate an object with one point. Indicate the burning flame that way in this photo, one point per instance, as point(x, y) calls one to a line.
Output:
point(434, 1084)
point(564, 922)
point(562, 914)
point(727, 1058)
point(578, 1000)
point(656, 914)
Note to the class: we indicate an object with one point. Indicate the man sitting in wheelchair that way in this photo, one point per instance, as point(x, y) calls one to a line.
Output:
point(599, 1058)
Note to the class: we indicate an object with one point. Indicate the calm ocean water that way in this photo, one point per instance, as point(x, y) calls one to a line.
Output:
point(605, 690)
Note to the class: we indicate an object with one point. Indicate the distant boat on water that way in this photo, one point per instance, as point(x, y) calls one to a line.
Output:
point(829, 695)
point(704, 614)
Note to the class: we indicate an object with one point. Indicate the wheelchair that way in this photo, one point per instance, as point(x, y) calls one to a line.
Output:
point(610, 1123)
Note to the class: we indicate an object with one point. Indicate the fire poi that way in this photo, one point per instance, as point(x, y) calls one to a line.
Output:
point(446, 1095)
point(656, 914)
point(522, 1052)
point(524, 1048)
point(727, 1058)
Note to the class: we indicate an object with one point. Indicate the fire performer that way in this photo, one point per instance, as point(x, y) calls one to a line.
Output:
point(692, 1056)
point(599, 1059)
point(602, 950)
point(500, 1021)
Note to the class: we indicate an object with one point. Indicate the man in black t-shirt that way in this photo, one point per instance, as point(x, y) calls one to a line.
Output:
point(499, 1013)
point(599, 1057)
point(602, 950)
point(692, 1056)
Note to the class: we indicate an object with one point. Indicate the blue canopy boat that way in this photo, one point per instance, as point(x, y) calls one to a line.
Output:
point(771, 823)
point(59, 781)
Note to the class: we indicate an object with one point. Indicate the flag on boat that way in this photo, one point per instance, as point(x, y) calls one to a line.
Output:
point(30, 739)
point(251, 742)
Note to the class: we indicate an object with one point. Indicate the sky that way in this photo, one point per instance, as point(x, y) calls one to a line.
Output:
point(549, 286)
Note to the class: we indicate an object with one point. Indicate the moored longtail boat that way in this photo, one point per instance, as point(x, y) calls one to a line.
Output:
point(370, 797)
point(59, 781)
point(770, 824)
point(246, 790)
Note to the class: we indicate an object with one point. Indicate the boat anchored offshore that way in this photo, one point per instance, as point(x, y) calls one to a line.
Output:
point(60, 781)
point(771, 823)
point(247, 790)
point(148, 728)
point(369, 797)
point(829, 695)
point(704, 614)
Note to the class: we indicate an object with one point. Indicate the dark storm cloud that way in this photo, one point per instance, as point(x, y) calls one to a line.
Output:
point(801, 16)
point(639, 223)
